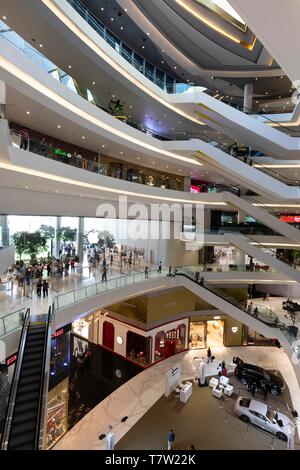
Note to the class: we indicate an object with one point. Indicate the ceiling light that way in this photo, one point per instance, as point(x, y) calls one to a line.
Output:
point(143, 47)
point(83, 137)
point(138, 158)
point(26, 187)
point(59, 126)
point(122, 27)
point(4, 17)
point(111, 19)
point(175, 67)
point(148, 34)
point(113, 96)
point(256, 78)
point(69, 66)
point(27, 112)
point(281, 77)
point(102, 9)
point(153, 163)
point(56, 191)
point(130, 106)
point(94, 83)
point(179, 169)
point(167, 166)
point(103, 146)
point(125, 9)
point(266, 93)
point(121, 153)
point(162, 62)
point(41, 45)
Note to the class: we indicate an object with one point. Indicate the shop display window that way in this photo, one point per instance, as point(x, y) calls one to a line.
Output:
point(159, 346)
point(138, 348)
point(81, 327)
point(60, 354)
point(181, 336)
point(197, 337)
point(57, 413)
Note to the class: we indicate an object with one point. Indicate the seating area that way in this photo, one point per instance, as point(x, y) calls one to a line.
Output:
point(221, 387)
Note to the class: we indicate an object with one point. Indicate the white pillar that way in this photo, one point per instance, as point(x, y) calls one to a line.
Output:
point(80, 237)
point(248, 98)
point(240, 257)
point(57, 239)
point(187, 184)
point(241, 217)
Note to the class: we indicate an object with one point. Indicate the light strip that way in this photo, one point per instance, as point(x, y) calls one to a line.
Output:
point(269, 165)
point(277, 205)
point(115, 64)
point(37, 86)
point(214, 26)
point(62, 179)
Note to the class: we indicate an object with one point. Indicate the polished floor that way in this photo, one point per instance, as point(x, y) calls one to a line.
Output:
point(205, 422)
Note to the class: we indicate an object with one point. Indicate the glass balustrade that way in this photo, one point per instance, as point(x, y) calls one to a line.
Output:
point(12, 321)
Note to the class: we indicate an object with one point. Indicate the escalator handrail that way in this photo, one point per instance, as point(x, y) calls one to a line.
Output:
point(44, 381)
point(15, 382)
point(210, 287)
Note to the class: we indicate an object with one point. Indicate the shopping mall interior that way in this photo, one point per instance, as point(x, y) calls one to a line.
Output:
point(149, 225)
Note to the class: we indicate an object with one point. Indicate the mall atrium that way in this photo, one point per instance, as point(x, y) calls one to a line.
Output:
point(150, 225)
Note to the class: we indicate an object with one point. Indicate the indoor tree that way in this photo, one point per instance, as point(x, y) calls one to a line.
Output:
point(30, 243)
point(67, 234)
point(48, 232)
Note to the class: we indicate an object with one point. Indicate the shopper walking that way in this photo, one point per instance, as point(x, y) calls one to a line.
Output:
point(146, 272)
point(45, 288)
point(159, 268)
point(104, 275)
point(265, 390)
point(171, 439)
point(197, 276)
point(201, 283)
point(170, 270)
point(219, 370)
point(209, 354)
point(39, 288)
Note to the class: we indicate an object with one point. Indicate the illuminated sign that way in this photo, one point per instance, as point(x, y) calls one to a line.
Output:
point(234, 329)
point(10, 360)
point(291, 219)
point(62, 153)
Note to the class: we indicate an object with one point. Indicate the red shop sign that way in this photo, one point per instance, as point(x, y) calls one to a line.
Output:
point(291, 219)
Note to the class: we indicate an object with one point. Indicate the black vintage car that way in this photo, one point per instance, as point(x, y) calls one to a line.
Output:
point(250, 373)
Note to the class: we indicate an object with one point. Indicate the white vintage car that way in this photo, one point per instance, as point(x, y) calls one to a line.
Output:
point(262, 415)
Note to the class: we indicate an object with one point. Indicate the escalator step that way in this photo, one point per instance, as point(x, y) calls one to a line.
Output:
point(33, 355)
point(26, 441)
point(25, 407)
point(25, 417)
point(36, 362)
point(23, 427)
point(35, 342)
point(27, 397)
point(29, 371)
point(29, 388)
point(29, 379)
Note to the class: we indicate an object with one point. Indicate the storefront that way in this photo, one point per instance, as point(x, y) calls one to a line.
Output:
point(142, 346)
point(206, 333)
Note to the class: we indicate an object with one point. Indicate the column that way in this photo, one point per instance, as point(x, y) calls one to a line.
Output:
point(80, 238)
point(4, 230)
point(248, 98)
point(241, 217)
point(2, 99)
point(240, 257)
point(187, 184)
point(57, 239)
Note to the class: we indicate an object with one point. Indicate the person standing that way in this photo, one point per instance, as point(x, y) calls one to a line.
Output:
point(209, 354)
point(219, 370)
point(265, 387)
point(39, 288)
point(159, 268)
point(24, 138)
point(171, 439)
point(49, 269)
point(170, 270)
point(146, 272)
point(45, 288)
point(197, 276)
point(104, 275)
point(201, 283)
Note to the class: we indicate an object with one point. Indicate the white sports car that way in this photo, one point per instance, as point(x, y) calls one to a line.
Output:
point(262, 415)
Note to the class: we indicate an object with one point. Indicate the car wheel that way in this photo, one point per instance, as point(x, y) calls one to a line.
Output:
point(244, 381)
point(274, 391)
point(245, 419)
point(281, 436)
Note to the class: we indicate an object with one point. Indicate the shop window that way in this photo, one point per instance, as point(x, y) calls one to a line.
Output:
point(197, 335)
point(159, 346)
point(181, 335)
point(57, 413)
point(138, 348)
point(60, 356)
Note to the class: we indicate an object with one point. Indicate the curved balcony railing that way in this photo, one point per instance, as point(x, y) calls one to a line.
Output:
point(12, 321)
point(89, 95)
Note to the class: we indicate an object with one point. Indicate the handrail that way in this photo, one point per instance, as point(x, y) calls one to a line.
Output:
point(18, 312)
point(207, 285)
point(15, 382)
point(44, 384)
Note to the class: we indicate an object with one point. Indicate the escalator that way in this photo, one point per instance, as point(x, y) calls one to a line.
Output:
point(24, 422)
